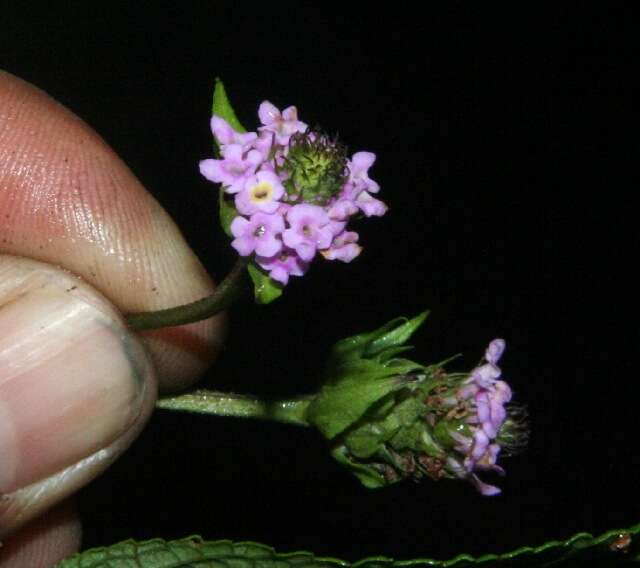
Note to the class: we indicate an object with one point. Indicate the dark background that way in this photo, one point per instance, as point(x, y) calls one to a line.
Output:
point(504, 150)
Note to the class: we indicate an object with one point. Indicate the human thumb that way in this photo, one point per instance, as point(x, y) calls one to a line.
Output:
point(75, 387)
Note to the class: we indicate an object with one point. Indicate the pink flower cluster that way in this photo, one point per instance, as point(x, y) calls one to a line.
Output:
point(486, 395)
point(281, 223)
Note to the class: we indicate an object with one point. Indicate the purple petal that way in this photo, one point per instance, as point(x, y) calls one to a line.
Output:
point(489, 428)
point(324, 237)
point(484, 488)
point(280, 275)
point(275, 222)
point(268, 245)
point(238, 226)
point(494, 351)
point(305, 213)
point(336, 227)
point(345, 253)
point(486, 375)
point(268, 113)
point(370, 206)
point(232, 152)
point(480, 444)
point(498, 413)
point(482, 409)
point(292, 238)
point(342, 209)
point(222, 130)
point(290, 114)
point(282, 265)
point(244, 245)
point(211, 170)
point(306, 251)
point(502, 392)
point(362, 161)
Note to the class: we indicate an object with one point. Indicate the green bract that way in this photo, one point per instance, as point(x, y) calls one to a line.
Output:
point(265, 289)
point(372, 407)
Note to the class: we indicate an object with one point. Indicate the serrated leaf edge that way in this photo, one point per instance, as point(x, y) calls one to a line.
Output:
point(584, 539)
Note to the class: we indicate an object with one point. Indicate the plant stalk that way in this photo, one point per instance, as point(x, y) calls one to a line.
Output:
point(290, 411)
point(225, 294)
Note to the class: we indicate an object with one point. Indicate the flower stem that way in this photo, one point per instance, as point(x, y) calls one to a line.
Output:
point(225, 294)
point(290, 411)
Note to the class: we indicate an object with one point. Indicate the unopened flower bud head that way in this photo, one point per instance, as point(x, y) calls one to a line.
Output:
point(413, 421)
point(317, 167)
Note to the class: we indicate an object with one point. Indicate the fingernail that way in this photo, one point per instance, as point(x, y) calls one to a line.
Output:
point(71, 381)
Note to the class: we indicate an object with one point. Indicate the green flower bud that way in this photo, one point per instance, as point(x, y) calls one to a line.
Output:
point(317, 167)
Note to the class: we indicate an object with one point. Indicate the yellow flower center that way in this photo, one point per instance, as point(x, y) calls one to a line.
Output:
point(261, 192)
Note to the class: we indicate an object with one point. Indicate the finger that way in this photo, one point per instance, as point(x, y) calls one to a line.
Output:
point(75, 387)
point(45, 542)
point(67, 199)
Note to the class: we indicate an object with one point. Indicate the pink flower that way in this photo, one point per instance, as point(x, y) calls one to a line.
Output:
point(282, 265)
point(369, 205)
point(261, 192)
point(233, 169)
point(344, 247)
point(283, 124)
point(259, 233)
point(486, 396)
point(225, 134)
point(264, 144)
point(308, 230)
point(485, 376)
point(494, 351)
point(359, 172)
point(342, 209)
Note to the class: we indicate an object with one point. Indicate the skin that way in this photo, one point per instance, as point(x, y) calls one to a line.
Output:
point(68, 202)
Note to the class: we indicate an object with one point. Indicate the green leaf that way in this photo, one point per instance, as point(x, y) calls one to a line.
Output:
point(339, 406)
point(391, 335)
point(228, 213)
point(367, 475)
point(265, 289)
point(222, 107)
point(581, 550)
point(351, 390)
point(395, 336)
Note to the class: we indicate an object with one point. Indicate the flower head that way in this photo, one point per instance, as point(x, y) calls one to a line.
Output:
point(391, 418)
point(303, 178)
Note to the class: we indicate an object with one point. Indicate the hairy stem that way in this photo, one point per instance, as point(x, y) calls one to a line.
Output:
point(290, 411)
point(225, 294)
